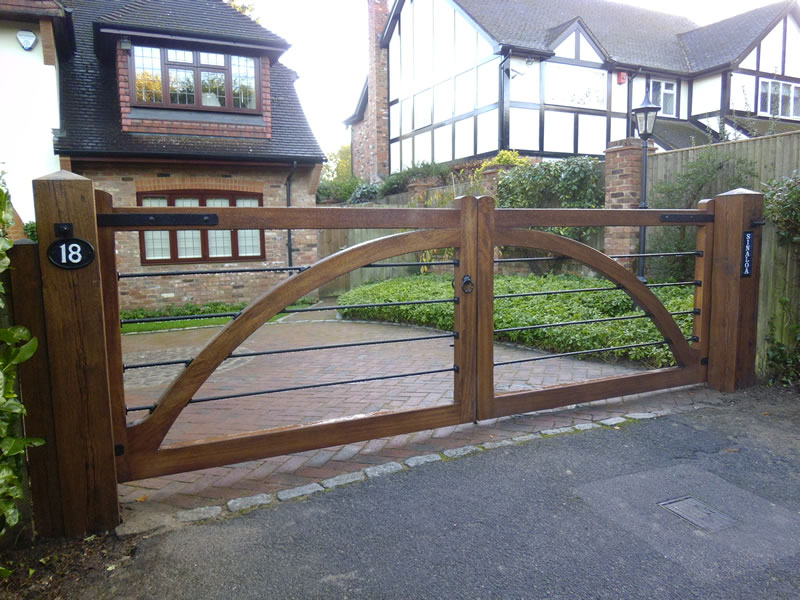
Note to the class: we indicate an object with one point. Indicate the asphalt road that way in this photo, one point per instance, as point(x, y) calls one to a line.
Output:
point(574, 516)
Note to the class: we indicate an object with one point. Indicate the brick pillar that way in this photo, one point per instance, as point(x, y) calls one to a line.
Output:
point(417, 191)
point(370, 136)
point(623, 190)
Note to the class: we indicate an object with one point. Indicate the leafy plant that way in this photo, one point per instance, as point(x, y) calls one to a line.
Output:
point(339, 189)
point(30, 231)
point(397, 183)
point(16, 346)
point(509, 158)
point(536, 310)
point(364, 192)
point(704, 177)
point(783, 207)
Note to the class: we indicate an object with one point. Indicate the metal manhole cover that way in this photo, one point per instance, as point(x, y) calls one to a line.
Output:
point(699, 514)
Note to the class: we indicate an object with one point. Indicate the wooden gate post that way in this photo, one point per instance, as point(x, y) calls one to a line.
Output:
point(77, 427)
point(734, 289)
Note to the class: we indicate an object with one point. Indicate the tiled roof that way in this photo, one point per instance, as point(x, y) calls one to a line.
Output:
point(203, 18)
point(39, 8)
point(90, 114)
point(630, 35)
point(672, 134)
point(726, 41)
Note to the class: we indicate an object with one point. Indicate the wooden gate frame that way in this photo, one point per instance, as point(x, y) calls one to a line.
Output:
point(73, 386)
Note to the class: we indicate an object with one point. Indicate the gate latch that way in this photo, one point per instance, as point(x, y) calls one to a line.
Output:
point(467, 284)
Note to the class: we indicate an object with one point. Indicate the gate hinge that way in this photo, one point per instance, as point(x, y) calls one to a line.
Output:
point(698, 283)
point(119, 450)
point(455, 368)
point(704, 361)
point(757, 222)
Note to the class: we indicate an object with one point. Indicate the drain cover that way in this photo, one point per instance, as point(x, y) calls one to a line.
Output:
point(699, 514)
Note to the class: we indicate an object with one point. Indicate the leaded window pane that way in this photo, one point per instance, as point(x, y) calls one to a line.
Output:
point(181, 86)
point(219, 240)
point(213, 86)
point(182, 56)
point(210, 58)
point(243, 77)
point(796, 105)
point(249, 240)
point(786, 99)
point(189, 243)
point(148, 74)
point(156, 243)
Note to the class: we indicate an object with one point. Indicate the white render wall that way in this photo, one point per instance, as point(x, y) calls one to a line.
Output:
point(706, 96)
point(28, 115)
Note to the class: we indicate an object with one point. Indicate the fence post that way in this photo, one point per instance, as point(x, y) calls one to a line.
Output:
point(77, 425)
point(734, 289)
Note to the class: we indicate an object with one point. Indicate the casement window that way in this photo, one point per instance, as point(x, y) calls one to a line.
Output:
point(196, 80)
point(779, 99)
point(193, 246)
point(663, 94)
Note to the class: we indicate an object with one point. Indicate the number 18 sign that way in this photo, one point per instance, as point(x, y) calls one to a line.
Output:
point(70, 253)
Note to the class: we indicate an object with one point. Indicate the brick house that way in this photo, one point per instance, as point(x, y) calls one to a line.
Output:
point(457, 79)
point(185, 103)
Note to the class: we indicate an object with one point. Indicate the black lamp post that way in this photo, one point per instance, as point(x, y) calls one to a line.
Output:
point(645, 123)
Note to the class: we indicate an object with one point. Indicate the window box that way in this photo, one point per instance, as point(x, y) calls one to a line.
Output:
point(194, 246)
point(172, 78)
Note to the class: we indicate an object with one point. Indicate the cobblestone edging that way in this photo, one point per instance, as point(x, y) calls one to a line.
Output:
point(241, 505)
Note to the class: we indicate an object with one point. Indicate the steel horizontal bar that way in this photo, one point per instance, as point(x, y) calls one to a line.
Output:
point(231, 315)
point(377, 305)
point(589, 290)
point(168, 363)
point(211, 272)
point(433, 263)
point(297, 218)
point(588, 322)
point(656, 254)
point(580, 353)
point(551, 258)
point(302, 387)
point(579, 217)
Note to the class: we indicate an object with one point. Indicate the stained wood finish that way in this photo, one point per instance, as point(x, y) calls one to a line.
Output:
point(579, 217)
point(466, 310)
point(231, 449)
point(484, 292)
point(703, 273)
point(106, 254)
point(76, 348)
point(307, 218)
point(734, 299)
point(607, 267)
point(147, 434)
point(610, 387)
point(34, 383)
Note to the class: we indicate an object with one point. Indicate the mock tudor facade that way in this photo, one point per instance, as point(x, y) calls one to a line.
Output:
point(185, 103)
point(466, 78)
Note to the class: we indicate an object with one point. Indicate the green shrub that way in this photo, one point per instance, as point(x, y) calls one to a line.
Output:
point(30, 231)
point(536, 310)
point(575, 182)
point(339, 189)
point(510, 158)
point(365, 192)
point(397, 183)
point(783, 207)
point(700, 179)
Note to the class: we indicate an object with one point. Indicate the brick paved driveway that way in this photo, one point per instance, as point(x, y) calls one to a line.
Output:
point(242, 375)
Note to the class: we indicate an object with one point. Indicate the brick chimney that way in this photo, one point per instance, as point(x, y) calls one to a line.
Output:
point(370, 136)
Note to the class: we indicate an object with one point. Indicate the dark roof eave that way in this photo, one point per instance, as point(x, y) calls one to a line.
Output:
point(525, 51)
point(361, 107)
point(228, 158)
point(621, 66)
point(241, 43)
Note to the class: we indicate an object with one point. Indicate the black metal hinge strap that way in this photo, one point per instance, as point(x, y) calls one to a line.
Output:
point(158, 220)
point(687, 218)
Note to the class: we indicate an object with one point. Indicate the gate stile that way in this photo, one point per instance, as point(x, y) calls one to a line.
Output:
point(473, 228)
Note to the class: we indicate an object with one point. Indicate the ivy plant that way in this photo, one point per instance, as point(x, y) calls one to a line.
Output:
point(16, 346)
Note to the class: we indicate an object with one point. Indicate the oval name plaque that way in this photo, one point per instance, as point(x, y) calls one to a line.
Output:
point(70, 253)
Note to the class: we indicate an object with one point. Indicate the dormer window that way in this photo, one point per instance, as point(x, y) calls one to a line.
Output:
point(176, 78)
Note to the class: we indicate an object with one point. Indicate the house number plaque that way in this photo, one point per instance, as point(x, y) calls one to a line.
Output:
point(70, 253)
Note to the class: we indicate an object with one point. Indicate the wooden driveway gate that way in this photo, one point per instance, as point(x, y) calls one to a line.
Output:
point(73, 387)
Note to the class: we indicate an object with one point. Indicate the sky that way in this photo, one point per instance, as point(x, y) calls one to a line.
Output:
point(329, 50)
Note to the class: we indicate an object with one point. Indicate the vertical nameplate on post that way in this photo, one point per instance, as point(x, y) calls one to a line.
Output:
point(73, 313)
point(734, 290)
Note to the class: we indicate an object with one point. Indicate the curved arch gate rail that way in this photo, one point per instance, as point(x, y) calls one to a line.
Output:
point(74, 391)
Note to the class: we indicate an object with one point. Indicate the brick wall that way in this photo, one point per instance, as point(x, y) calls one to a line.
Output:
point(126, 92)
point(623, 190)
point(123, 182)
point(370, 137)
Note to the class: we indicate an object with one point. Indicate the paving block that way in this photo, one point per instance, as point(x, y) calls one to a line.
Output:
point(303, 490)
point(199, 514)
point(557, 431)
point(641, 416)
point(343, 479)
point(613, 421)
point(528, 437)
point(384, 469)
point(416, 461)
point(586, 426)
point(497, 444)
point(463, 451)
point(238, 504)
